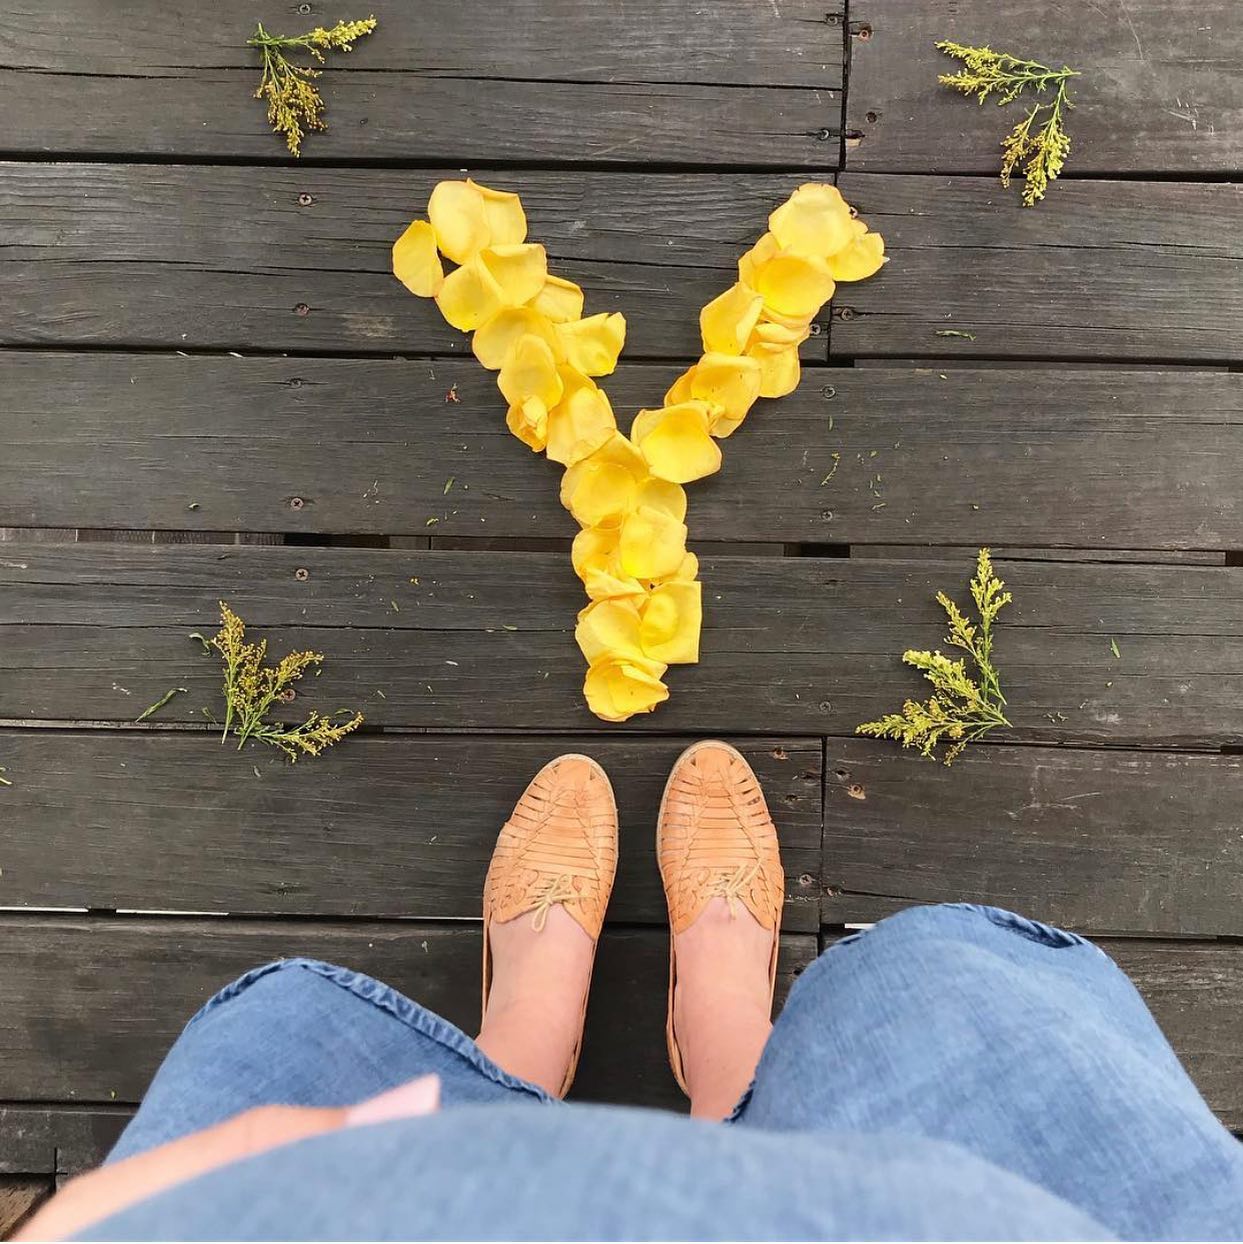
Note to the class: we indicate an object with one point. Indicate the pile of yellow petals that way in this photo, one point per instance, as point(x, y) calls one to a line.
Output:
point(644, 612)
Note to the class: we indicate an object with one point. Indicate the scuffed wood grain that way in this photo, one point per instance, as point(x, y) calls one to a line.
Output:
point(67, 980)
point(804, 645)
point(1161, 89)
point(398, 826)
point(153, 255)
point(1097, 841)
point(874, 455)
point(1125, 270)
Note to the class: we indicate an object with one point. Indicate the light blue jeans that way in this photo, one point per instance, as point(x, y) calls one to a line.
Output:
point(955, 1072)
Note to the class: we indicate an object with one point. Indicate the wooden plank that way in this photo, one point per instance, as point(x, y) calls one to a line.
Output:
point(212, 115)
point(536, 40)
point(57, 1140)
point(67, 981)
point(1146, 271)
point(796, 646)
point(647, 82)
point(1098, 841)
point(962, 456)
point(1072, 365)
point(939, 552)
point(1161, 89)
point(151, 255)
point(399, 826)
point(19, 1197)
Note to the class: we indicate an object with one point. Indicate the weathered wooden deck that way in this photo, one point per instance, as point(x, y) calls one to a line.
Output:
point(210, 383)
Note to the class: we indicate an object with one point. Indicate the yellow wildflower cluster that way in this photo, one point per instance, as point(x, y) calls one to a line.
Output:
point(294, 103)
point(1041, 148)
point(626, 492)
point(253, 689)
point(963, 706)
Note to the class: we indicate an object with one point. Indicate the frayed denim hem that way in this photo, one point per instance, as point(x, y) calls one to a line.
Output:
point(401, 1008)
point(1033, 930)
point(1012, 922)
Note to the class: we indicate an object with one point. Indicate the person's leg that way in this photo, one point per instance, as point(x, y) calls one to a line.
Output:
point(538, 997)
point(1017, 1041)
point(721, 868)
point(544, 900)
point(303, 1033)
point(722, 1005)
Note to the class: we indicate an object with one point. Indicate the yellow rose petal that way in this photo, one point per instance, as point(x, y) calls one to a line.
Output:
point(774, 333)
point(594, 556)
point(592, 548)
point(530, 371)
point(663, 495)
point(792, 285)
point(617, 688)
point(608, 627)
point(730, 385)
point(651, 543)
point(779, 368)
point(469, 297)
point(676, 442)
point(754, 259)
point(497, 336)
point(688, 571)
point(560, 300)
point(592, 345)
point(456, 212)
point(726, 322)
point(814, 221)
point(468, 217)
point(680, 390)
point(416, 261)
point(794, 324)
point(520, 271)
point(579, 425)
point(503, 215)
point(603, 487)
point(670, 623)
point(864, 257)
point(528, 421)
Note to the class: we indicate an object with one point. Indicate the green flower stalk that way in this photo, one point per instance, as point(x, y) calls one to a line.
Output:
point(1039, 142)
point(294, 104)
point(963, 706)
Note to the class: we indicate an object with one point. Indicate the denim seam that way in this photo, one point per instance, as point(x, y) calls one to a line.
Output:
point(398, 1006)
point(1021, 926)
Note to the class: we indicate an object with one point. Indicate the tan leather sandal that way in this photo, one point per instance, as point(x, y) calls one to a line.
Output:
point(558, 848)
point(715, 839)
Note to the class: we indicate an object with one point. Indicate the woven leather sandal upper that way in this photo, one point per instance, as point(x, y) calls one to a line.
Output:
point(559, 846)
point(717, 839)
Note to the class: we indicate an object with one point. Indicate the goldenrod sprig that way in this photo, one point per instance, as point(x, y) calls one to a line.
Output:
point(251, 689)
point(1043, 146)
point(294, 104)
point(962, 707)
